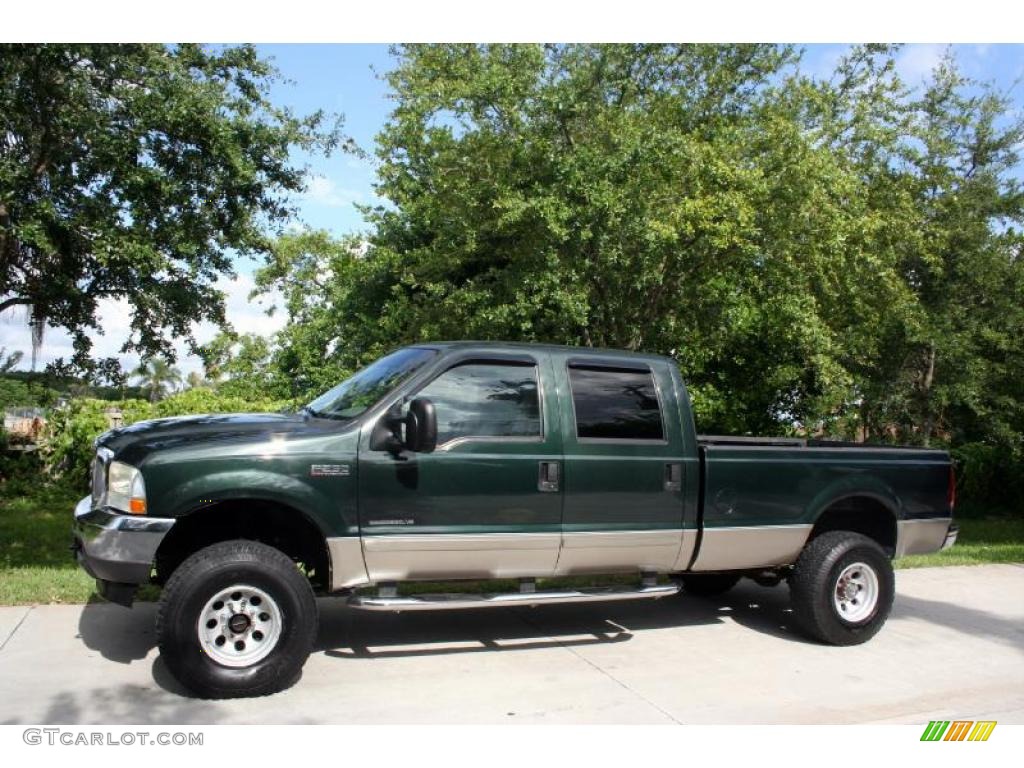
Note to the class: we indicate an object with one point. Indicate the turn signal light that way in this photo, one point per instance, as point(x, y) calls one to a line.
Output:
point(137, 506)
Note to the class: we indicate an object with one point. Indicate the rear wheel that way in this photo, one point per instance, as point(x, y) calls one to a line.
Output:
point(236, 619)
point(842, 588)
point(709, 584)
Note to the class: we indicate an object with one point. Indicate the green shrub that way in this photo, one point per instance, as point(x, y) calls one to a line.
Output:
point(990, 478)
point(71, 429)
point(206, 400)
point(17, 392)
point(19, 471)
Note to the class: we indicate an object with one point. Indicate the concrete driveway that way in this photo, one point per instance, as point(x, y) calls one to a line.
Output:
point(954, 648)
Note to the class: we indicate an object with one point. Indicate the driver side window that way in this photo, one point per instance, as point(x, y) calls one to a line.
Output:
point(497, 400)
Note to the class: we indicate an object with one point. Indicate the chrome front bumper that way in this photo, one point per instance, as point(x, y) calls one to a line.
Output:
point(116, 549)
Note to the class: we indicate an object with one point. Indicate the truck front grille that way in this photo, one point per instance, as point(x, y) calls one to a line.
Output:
point(99, 475)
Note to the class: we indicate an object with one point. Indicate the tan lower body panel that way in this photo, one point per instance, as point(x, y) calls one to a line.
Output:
point(919, 537)
point(618, 551)
point(347, 566)
point(738, 548)
point(461, 556)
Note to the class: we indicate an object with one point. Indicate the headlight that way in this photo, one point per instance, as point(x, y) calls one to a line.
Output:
point(125, 489)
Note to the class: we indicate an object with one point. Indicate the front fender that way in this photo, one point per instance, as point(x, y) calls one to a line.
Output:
point(328, 512)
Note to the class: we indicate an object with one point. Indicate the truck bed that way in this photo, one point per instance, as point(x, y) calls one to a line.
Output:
point(760, 497)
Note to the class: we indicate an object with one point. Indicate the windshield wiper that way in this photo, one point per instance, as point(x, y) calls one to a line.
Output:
point(324, 415)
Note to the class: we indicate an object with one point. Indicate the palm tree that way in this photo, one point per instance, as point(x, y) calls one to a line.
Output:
point(156, 374)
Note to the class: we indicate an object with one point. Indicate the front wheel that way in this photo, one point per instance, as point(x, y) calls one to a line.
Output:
point(842, 588)
point(236, 619)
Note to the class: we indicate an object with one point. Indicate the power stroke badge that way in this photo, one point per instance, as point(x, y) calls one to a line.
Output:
point(328, 470)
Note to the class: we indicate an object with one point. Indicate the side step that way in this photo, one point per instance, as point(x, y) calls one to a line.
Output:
point(388, 602)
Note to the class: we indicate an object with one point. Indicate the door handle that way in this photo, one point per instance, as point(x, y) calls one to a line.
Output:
point(547, 481)
point(673, 477)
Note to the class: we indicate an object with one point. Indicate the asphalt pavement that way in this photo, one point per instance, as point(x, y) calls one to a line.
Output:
point(953, 649)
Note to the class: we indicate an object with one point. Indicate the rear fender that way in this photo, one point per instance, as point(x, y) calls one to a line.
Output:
point(862, 486)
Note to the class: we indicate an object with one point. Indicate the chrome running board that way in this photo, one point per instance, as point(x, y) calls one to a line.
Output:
point(453, 601)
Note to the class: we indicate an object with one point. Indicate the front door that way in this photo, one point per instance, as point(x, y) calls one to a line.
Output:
point(624, 466)
point(487, 503)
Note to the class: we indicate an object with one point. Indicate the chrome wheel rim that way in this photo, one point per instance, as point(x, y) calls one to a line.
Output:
point(239, 626)
point(856, 592)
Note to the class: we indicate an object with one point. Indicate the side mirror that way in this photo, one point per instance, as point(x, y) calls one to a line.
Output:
point(421, 426)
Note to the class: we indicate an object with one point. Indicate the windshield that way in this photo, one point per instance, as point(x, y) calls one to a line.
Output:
point(366, 388)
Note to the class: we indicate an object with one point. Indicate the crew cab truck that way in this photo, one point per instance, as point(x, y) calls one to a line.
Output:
point(483, 461)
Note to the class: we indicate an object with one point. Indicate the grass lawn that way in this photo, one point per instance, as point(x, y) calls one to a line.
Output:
point(985, 540)
point(36, 565)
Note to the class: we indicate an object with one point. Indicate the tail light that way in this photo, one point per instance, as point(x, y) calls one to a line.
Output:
point(951, 488)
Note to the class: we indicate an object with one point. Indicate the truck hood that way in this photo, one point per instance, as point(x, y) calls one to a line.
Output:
point(133, 443)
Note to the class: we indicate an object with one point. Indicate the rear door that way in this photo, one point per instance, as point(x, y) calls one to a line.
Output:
point(487, 503)
point(624, 457)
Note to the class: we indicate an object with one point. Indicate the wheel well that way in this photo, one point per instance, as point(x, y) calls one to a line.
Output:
point(274, 524)
point(860, 514)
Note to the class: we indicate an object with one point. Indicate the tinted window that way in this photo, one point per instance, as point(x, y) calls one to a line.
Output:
point(355, 395)
point(485, 400)
point(615, 404)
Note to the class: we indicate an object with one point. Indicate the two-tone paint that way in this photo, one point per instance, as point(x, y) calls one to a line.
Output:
point(476, 508)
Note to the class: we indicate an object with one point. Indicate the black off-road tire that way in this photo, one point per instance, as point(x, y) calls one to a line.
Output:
point(709, 584)
point(814, 584)
point(197, 580)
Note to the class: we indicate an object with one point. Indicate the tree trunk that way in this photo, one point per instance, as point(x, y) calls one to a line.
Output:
point(926, 386)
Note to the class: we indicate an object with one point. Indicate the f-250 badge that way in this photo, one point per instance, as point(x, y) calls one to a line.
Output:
point(328, 470)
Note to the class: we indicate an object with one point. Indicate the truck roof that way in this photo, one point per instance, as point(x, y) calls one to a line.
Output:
point(521, 345)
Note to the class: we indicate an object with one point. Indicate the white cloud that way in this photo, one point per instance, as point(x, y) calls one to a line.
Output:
point(916, 62)
point(114, 317)
point(322, 190)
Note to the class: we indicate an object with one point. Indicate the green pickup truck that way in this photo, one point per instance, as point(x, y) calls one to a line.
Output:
point(486, 461)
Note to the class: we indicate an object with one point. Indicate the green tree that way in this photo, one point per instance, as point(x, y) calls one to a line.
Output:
point(837, 255)
point(8, 362)
point(195, 380)
point(940, 168)
point(678, 199)
point(329, 294)
point(157, 375)
point(965, 355)
point(244, 367)
point(134, 171)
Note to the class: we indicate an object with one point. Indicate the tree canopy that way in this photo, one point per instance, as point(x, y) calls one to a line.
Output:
point(139, 172)
point(837, 255)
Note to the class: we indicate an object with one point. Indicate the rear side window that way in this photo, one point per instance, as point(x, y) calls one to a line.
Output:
point(484, 400)
point(615, 404)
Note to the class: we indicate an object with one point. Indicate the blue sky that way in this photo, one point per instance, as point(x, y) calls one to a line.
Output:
point(346, 79)
point(336, 78)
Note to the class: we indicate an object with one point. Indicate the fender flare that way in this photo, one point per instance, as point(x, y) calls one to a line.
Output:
point(863, 487)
